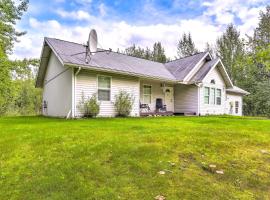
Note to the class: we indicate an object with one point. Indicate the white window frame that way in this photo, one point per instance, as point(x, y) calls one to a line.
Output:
point(212, 98)
point(236, 108)
point(219, 96)
point(109, 89)
point(147, 94)
point(207, 95)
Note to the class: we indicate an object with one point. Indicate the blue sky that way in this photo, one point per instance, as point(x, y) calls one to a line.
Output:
point(121, 23)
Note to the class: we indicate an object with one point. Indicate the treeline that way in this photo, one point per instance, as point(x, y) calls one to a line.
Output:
point(247, 61)
point(18, 95)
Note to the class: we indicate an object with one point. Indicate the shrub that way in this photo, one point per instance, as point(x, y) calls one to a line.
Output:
point(89, 107)
point(123, 103)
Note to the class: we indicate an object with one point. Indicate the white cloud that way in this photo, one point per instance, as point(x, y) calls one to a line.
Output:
point(74, 15)
point(102, 10)
point(116, 35)
point(121, 34)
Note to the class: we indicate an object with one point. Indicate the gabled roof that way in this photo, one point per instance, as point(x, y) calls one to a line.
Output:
point(180, 68)
point(73, 54)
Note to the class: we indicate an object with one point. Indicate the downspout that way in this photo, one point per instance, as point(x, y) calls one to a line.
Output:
point(74, 91)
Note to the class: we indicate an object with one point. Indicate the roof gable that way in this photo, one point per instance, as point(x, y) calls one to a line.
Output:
point(206, 69)
point(180, 68)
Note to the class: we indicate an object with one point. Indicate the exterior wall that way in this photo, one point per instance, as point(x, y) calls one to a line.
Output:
point(230, 104)
point(86, 83)
point(57, 92)
point(157, 92)
point(211, 109)
point(186, 98)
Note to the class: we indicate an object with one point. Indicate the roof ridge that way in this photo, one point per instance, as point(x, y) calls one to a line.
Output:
point(187, 56)
point(64, 40)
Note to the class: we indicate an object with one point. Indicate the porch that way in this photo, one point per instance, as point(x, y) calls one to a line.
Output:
point(156, 98)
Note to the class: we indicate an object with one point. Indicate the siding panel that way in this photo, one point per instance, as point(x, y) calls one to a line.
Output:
point(86, 83)
point(185, 98)
point(58, 91)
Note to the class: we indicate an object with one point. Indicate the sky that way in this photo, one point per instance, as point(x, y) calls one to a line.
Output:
point(121, 23)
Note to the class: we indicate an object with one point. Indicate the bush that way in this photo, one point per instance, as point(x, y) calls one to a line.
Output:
point(89, 107)
point(123, 103)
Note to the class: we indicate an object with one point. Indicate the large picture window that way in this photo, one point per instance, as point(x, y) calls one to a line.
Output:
point(147, 91)
point(104, 88)
point(206, 95)
point(218, 98)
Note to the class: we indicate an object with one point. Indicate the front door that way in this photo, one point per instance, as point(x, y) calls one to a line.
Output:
point(169, 99)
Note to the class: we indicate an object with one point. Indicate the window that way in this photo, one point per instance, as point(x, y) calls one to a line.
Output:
point(236, 107)
point(104, 88)
point(218, 98)
point(206, 95)
point(147, 90)
point(212, 96)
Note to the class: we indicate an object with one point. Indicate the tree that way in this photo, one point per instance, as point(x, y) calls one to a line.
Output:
point(261, 36)
point(230, 48)
point(186, 46)
point(5, 82)
point(158, 53)
point(10, 13)
point(209, 48)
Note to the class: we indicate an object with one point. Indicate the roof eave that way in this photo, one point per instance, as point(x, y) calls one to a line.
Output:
point(87, 67)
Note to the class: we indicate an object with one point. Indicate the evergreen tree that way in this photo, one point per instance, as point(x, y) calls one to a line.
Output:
point(209, 48)
point(186, 46)
point(230, 48)
point(261, 37)
point(158, 53)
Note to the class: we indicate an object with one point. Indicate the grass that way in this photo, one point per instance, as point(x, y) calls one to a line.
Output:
point(47, 158)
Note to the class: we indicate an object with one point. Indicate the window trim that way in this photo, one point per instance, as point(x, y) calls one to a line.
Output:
point(219, 97)
point(236, 108)
point(150, 93)
point(205, 95)
point(109, 89)
point(210, 96)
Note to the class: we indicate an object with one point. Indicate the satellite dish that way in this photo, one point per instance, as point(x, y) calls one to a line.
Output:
point(92, 41)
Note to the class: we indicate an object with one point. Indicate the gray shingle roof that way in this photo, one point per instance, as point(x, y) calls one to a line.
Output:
point(203, 71)
point(72, 53)
point(181, 67)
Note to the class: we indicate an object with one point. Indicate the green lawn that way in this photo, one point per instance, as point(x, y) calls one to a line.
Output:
point(46, 158)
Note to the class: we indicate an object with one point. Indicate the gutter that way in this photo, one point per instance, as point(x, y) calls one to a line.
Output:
point(119, 72)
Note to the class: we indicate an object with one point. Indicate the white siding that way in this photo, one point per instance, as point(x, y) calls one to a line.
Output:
point(230, 107)
point(185, 98)
point(219, 84)
point(57, 92)
point(86, 82)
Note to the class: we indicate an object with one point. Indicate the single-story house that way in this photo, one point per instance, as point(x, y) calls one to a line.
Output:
point(196, 84)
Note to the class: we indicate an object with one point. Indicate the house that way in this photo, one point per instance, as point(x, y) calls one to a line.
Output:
point(197, 84)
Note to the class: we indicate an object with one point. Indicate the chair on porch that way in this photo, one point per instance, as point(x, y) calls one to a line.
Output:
point(144, 107)
point(160, 107)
